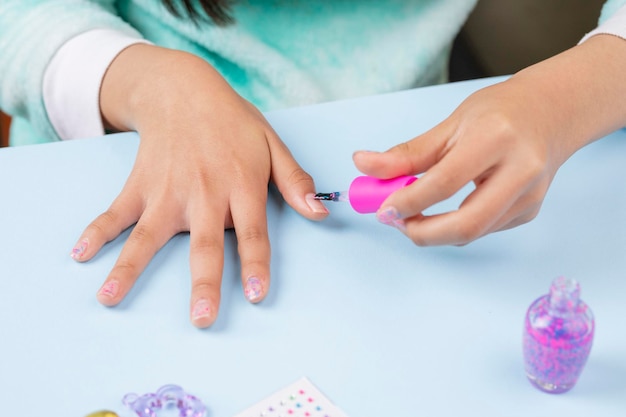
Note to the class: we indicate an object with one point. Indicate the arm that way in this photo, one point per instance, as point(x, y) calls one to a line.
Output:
point(509, 139)
point(205, 157)
point(30, 38)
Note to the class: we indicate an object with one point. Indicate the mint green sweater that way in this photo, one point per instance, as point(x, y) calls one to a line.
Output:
point(279, 53)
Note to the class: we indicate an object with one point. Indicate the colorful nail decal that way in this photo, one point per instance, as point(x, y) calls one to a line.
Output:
point(201, 309)
point(79, 250)
point(253, 289)
point(110, 288)
point(390, 217)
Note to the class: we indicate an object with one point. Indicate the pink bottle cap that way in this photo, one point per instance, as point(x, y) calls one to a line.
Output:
point(366, 194)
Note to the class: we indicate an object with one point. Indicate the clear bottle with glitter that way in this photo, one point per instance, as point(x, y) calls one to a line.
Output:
point(558, 334)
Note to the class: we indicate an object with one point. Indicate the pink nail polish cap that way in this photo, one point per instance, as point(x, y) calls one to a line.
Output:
point(366, 193)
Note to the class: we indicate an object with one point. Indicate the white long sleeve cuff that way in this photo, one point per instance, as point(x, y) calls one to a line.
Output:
point(71, 85)
point(615, 25)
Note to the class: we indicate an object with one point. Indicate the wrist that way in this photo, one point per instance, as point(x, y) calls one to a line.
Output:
point(146, 83)
point(579, 94)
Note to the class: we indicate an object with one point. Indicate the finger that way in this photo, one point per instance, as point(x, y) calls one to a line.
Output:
point(124, 212)
point(524, 210)
point(248, 209)
point(532, 185)
point(441, 181)
point(148, 236)
point(408, 158)
point(206, 260)
point(483, 208)
point(295, 184)
point(523, 218)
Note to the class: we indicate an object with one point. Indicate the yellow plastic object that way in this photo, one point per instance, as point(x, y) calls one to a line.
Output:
point(103, 413)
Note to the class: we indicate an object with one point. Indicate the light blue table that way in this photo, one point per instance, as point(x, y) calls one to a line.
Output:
point(383, 328)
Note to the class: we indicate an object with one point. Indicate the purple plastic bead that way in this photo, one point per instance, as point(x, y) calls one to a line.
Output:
point(168, 396)
point(558, 334)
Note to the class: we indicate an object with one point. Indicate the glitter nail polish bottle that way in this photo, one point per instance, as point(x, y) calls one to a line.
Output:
point(558, 333)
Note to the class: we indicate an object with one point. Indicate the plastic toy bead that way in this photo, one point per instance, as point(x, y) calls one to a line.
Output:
point(168, 396)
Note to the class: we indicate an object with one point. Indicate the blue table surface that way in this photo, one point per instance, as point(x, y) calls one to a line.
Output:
point(382, 327)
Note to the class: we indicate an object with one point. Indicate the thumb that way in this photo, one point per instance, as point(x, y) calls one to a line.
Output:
point(406, 158)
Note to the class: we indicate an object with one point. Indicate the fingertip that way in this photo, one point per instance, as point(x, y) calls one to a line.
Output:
point(390, 216)
point(109, 293)
point(316, 209)
point(360, 157)
point(255, 289)
point(80, 251)
point(363, 153)
point(203, 313)
point(299, 193)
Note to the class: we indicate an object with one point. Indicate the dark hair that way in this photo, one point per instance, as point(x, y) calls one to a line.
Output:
point(216, 11)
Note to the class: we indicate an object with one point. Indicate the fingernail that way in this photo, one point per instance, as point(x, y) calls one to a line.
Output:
point(391, 217)
point(253, 289)
point(110, 288)
point(80, 249)
point(315, 205)
point(365, 151)
point(201, 309)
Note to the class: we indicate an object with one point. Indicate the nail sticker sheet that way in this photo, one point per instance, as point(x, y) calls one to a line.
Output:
point(300, 399)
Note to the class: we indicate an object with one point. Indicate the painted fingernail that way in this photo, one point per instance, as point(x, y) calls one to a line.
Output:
point(79, 250)
point(201, 309)
point(315, 205)
point(110, 289)
point(391, 217)
point(253, 289)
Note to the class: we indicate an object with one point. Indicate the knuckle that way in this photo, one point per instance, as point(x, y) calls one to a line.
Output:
point(142, 235)
point(443, 182)
point(259, 266)
point(535, 165)
point(201, 180)
point(204, 285)
point(529, 216)
point(503, 134)
point(414, 232)
point(403, 152)
point(418, 240)
point(532, 215)
point(104, 222)
point(299, 176)
point(251, 234)
point(108, 217)
point(204, 244)
point(469, 231)
point(502, 125)
point(125, 269)
point(402, 148)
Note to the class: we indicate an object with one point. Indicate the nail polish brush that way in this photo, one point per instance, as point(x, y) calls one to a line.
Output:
point(366, 193)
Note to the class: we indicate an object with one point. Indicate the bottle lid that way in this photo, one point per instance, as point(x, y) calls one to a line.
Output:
point(366, 193)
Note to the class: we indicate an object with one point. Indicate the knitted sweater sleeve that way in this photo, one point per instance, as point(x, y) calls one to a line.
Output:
point(32, 32)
